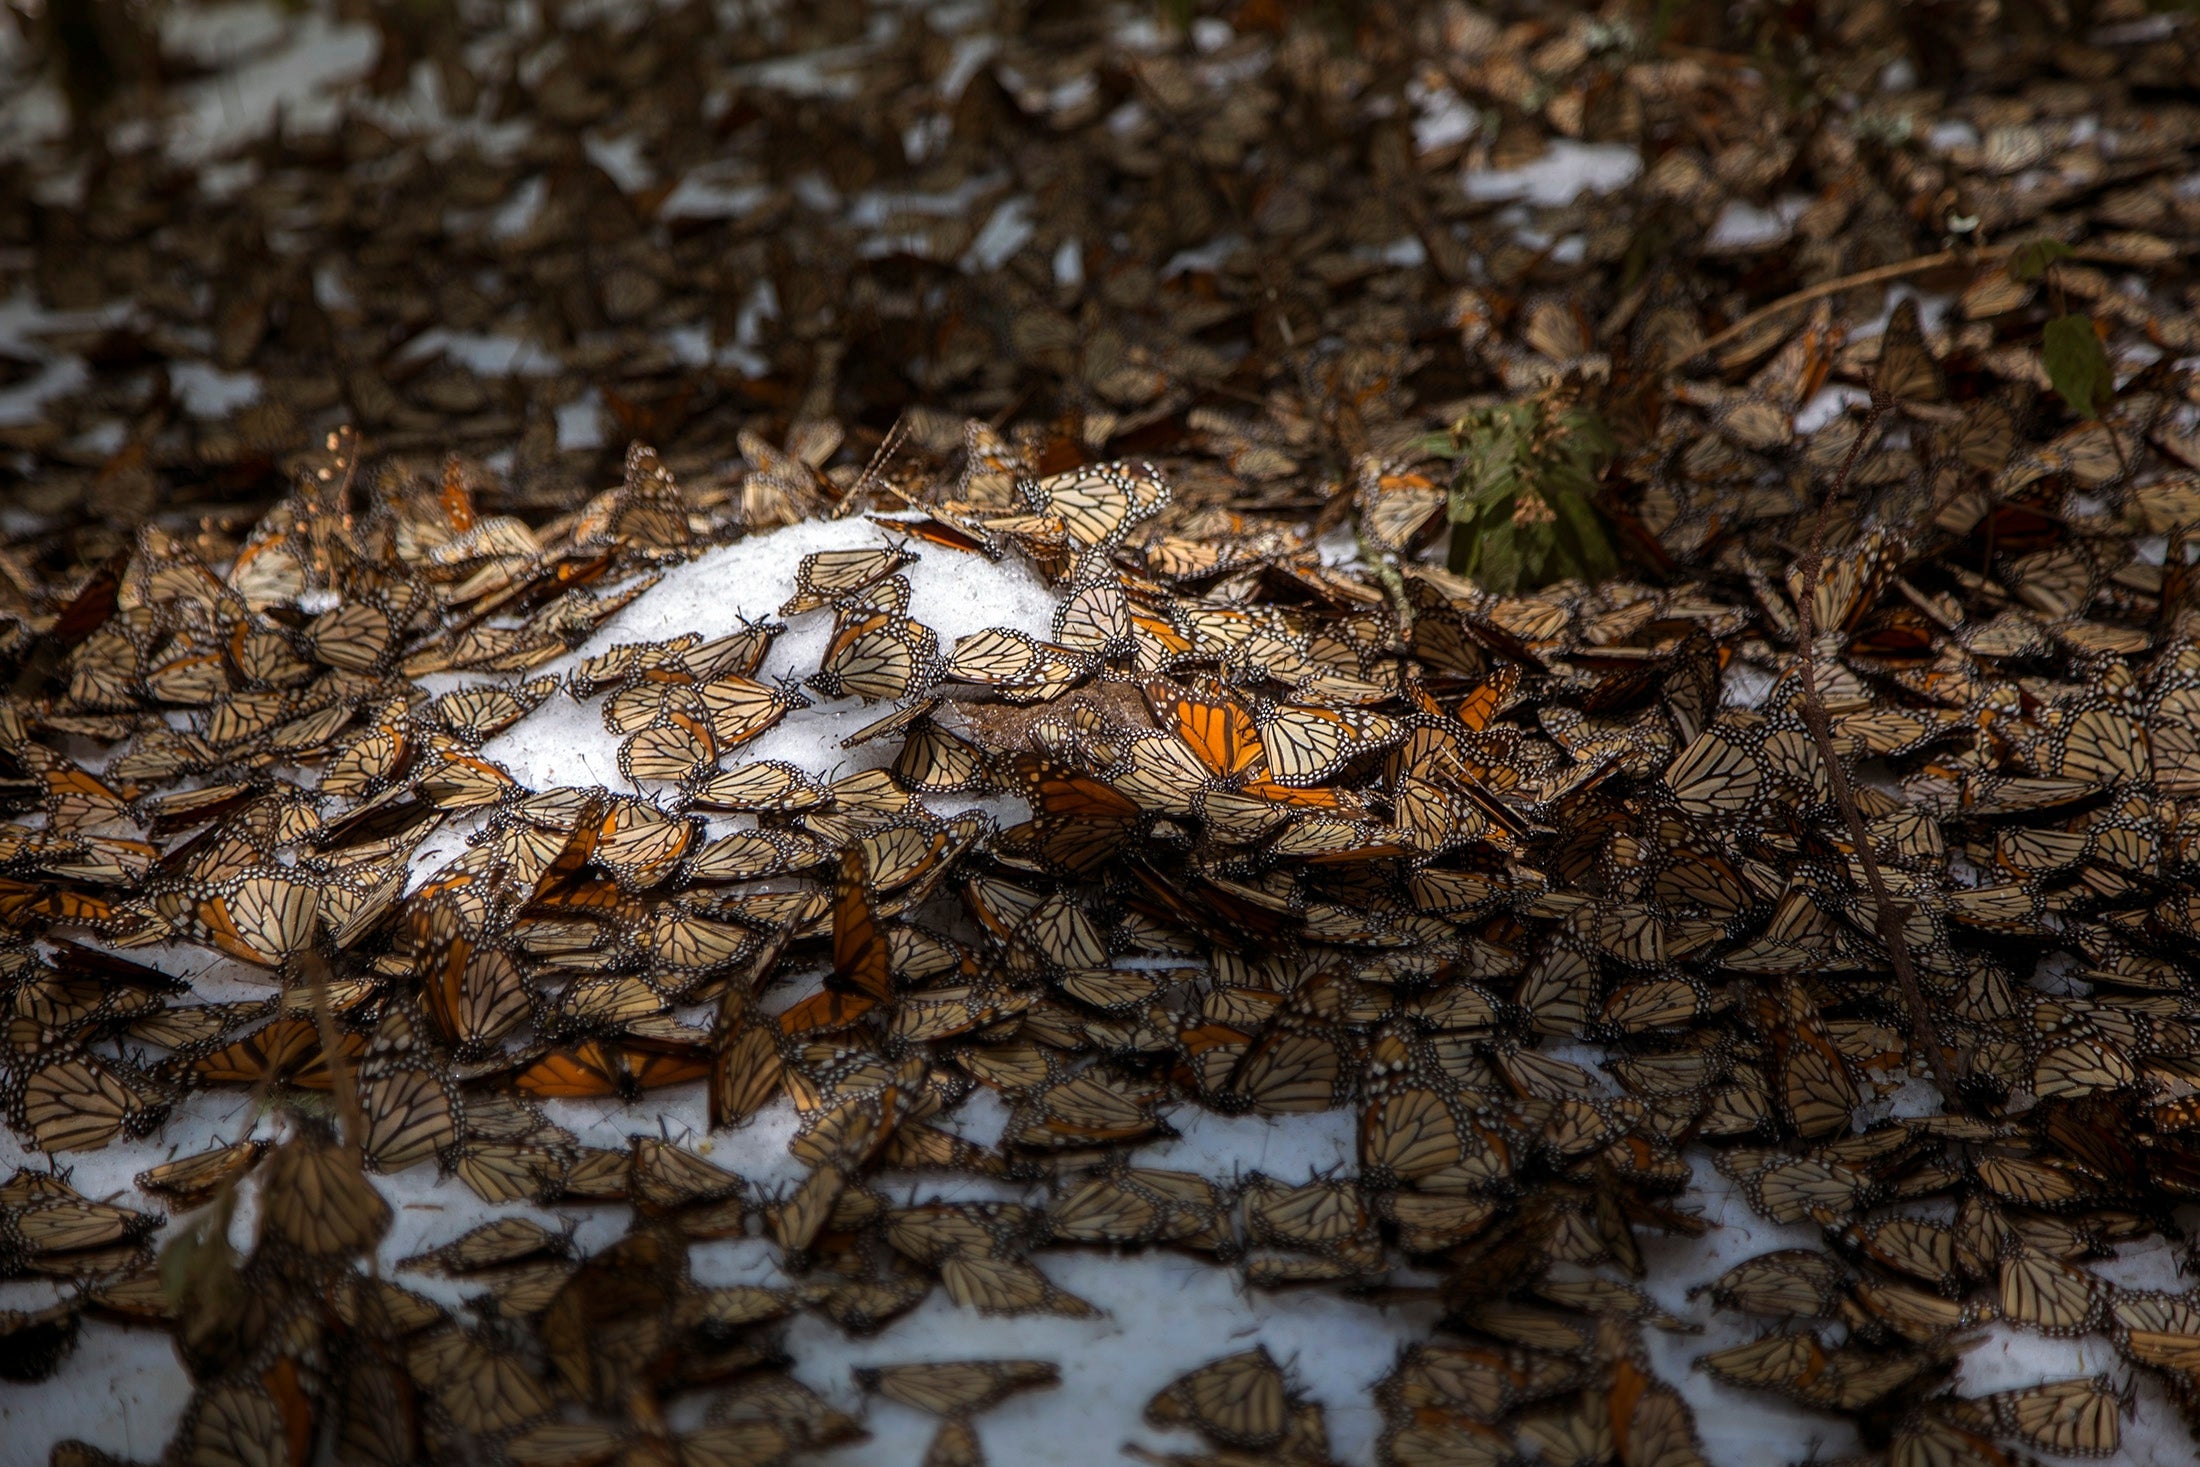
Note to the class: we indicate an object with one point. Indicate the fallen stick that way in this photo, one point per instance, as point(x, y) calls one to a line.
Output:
point(1889, 913)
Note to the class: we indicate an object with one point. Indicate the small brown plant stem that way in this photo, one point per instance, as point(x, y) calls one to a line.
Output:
point(1889, 913)
point(1899, 269)
point(1921, 265)
point(343, 1089)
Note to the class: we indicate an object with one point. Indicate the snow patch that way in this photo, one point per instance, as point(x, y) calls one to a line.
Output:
point(1566, 171)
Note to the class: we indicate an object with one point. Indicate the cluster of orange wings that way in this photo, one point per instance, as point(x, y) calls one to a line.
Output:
point(1550, 892)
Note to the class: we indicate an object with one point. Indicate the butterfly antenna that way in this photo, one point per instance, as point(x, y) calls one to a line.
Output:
point(887, 447)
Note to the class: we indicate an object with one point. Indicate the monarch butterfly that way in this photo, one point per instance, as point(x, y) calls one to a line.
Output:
point(880, 655)
point(1322, 1217)
point(1097, 505)
point(996, 656)
point(673, 750)
point(2076, 1418)
point(1652, 1426)
point(1814, 1089)
point(935, 761)
point(769, 785)
point(458, 780)
point(1481, 1383)
point(475, 995)
point(511, 1171)
point(1056, 932)
point(81, 1104)
point(824, 577)
point(1714, 776)
point(354, 636)
point(628, 661)
point(1079, 822)
point(410, 1116)
point(1791, 1189)
point(904, 851)
point(1287, 1072)
point(686, 940)
point(2101, 744)
point(286, 1050)
point(1218, 730)
point(192, 1180)
point(46, 1230)
point(1131, 1205)
point(664, 1176)
point(482, 1391)
point(1306, 746)
point(314, 1198)
point(241, 1423)
point(749, 855)
point(957, 1388)
point(2028, 1182)
point(595, 1067)
point(1081, 1109)
point(996, 1285)
point(739, 709)
point(1241, 1400)
point(505, 1240)
point(1095, 616)
point(862, 953)
point(477, 713)
point(2048, 1295)
point(1906, 370)
point(1920, 1249)
point(639, 844)
point(898, 721)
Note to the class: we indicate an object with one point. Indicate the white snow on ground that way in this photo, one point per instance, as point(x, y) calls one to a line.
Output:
point(299, 80)
point(1743, 226)
point(1166, 1313)
point(123, 1391)
point(1566, 170)
point(564, 742)
point(1739, 1428)
point(23, 322)
point(209, 392)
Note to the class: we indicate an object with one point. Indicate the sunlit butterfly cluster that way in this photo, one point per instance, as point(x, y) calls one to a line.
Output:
point(1550, 894)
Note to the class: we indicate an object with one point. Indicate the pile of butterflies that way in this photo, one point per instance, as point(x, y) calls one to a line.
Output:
point(1296, 837)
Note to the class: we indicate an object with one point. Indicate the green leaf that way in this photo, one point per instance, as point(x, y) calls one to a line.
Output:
point(1538, 545)
point(198, 1259)
point(203, 1278)
point(2031, 259)
point(1497, 564)
point(1523, 495)
point(1581, 529)
point(2077, 364)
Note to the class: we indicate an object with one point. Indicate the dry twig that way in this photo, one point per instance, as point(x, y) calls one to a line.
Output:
point(1889, 913)
point(1879, 275)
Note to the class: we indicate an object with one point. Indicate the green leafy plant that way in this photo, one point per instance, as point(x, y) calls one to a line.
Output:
point(2077, 364)
point(2070, 347)
point(2030, 260)
point(203, 1278)
point(1523, 510)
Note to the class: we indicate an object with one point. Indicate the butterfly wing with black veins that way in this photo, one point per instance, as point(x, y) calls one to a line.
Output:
point(878, 653)
point(960, 1387)
point(1099, 505)
point(1907, 371)
point(827, 577)
point(1241, 1401)
point(314, 1198)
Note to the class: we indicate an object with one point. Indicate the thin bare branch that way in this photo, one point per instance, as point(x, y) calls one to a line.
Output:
point(1889, 913)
